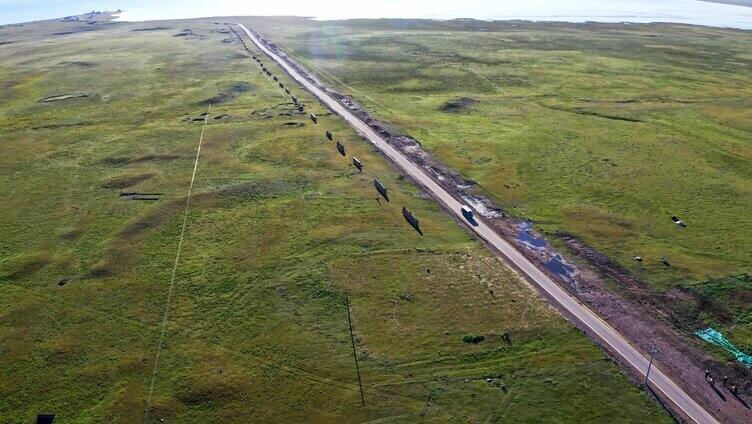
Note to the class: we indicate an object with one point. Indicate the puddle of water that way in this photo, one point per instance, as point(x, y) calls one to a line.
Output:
point(558, 267)
point(531, 241)
point(556, 264)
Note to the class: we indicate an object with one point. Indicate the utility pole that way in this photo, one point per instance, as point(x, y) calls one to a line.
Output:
point(355, 354)
point(653, 351)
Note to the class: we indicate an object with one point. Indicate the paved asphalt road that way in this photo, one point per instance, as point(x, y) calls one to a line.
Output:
point(606, 334)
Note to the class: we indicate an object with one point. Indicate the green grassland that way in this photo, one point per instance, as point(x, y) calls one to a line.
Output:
point(279, 231)
point(602, 131)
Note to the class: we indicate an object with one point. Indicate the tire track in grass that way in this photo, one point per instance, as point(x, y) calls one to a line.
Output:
point(174, 271)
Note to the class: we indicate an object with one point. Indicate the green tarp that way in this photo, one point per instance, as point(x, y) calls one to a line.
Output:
point(716, 338)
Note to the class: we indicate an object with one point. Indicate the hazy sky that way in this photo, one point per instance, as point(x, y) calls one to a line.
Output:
point(686, 11)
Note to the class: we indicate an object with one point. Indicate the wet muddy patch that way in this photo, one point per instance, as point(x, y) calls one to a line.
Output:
point(62, 97)
point(188, 34)
point(157, 28)
point(77, 30)
point(281, 109)
point(231, 40)
point(78, 64)
point(66, 125)
point(550, 258)
point(458, 105)
point(125, 160)
point(229, 94)
point(529, 239)
point(583, 112)
point(148, 197)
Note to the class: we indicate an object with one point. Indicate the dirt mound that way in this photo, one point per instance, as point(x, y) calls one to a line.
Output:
point(229, 94)
point(64, 97)
point(457, 105)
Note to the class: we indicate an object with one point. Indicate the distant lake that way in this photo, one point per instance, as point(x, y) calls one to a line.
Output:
point(680, 11)
point(638, 11)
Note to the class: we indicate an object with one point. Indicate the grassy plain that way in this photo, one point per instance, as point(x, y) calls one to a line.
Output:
point(280, 229)
point(602, 131)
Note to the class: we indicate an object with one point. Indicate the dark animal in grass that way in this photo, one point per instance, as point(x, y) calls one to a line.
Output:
point(329, 135)
point(340, 148)
point(313, 117)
